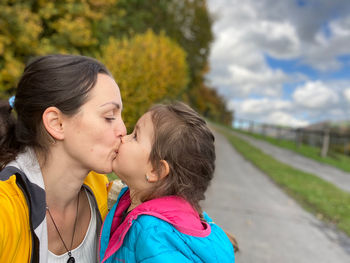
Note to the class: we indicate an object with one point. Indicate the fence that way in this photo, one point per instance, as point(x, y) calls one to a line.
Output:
point(327, 140)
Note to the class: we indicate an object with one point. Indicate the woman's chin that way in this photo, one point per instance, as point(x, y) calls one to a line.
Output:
point(104, 170)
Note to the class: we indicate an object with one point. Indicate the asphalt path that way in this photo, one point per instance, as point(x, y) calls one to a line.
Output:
point(269, 225)
point(329, 173)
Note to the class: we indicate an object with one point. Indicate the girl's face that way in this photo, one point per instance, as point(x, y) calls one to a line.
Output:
point(93, 135)
point(132, 161)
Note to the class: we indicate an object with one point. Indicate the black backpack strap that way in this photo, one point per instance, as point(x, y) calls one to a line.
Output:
point(8, 171)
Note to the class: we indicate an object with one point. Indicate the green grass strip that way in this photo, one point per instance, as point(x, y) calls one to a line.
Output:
point(320, 197)
point(112, 176)
point(337, 160)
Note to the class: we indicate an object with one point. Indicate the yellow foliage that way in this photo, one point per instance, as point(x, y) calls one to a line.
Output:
point(10, 72)
point(102, 3)
point(148, 68)
point(76, 30)
point(19, 35)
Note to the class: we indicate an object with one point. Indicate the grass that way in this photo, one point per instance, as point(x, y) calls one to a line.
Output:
point(339, 161)
point(112, 176)
point(322, 198)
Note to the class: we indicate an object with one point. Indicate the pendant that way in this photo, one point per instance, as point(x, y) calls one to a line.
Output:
point(71, 260)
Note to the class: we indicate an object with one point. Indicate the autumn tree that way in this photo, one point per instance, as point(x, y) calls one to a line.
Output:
point(189, 23)
point(148, 68)
point(37, 27)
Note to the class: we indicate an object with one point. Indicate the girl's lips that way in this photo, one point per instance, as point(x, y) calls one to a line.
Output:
point(117, 148)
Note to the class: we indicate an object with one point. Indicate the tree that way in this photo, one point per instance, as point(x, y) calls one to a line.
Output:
point(187, 22)
point(148, 68)
point(19, 33)
point(38, 27)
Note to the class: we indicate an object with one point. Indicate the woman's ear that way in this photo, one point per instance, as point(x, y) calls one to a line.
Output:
point(153, 176)
point(52, 120)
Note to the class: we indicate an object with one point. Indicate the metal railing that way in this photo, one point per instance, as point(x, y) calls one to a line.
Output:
point(327, 139)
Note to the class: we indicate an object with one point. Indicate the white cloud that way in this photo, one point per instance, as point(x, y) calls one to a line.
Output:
point(315, 95)
point(346, 93)
point(278, 38)
point(262, 106)
point(314, 101)
point(323, 52)
point(340, 27)
point(266, 110)
point(246, 31)
point(267, 82)
point(286, 119)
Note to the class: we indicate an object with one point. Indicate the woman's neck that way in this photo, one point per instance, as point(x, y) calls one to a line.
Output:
point(62, 179)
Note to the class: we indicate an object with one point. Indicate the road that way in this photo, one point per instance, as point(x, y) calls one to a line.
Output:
point(269, 225)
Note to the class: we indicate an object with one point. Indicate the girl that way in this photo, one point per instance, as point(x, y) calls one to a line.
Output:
point(167, 164)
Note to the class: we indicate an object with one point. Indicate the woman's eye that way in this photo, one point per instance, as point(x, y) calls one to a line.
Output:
point(109, 119)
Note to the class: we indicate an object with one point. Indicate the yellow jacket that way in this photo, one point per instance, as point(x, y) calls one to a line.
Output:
point(23, 209)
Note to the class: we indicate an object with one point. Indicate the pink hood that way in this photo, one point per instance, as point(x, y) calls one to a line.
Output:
point(172, 209)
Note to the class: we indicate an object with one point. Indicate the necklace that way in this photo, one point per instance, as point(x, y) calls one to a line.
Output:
point(71, 259)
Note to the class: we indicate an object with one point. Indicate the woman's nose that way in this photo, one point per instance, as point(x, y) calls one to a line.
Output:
point(120, 129)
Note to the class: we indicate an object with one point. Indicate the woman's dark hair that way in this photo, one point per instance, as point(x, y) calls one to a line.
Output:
point(182, 138)
point(62, 81)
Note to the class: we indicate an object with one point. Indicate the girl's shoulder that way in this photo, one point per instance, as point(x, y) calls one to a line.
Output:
point(148, 223)
point(151, 236)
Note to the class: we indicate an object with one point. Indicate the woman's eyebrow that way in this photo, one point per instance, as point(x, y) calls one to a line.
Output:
point(117, 105)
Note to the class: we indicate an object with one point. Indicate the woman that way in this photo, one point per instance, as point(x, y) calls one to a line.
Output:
point(68, 123)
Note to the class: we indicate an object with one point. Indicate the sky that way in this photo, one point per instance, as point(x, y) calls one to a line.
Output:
point(284, 62)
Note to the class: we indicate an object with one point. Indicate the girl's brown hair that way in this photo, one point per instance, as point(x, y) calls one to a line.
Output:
point(182, 138)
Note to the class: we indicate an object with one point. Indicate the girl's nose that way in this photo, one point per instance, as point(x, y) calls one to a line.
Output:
point(126, 138)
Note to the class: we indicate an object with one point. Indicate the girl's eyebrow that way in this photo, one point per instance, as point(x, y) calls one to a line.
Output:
point(137, 129)
point(117, 105)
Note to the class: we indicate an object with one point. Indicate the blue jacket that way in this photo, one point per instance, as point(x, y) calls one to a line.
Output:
point(166, 229)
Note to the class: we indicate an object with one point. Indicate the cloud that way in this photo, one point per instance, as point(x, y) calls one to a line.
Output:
point(262, 106)
point(315, 34)
point(266, 82)
point(279, 39)
point(267, 110)
point(270, 111)
point(323, 52)
point(347, 94)
point(285, 119)
point(242, 39)
point(315, 95)
point(311, 102)
point(246, 30)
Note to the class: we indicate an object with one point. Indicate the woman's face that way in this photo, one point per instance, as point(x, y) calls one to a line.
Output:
point(93, 135)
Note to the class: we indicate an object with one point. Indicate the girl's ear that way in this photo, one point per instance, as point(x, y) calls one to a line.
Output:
point(164, 169)
point(153, 176)
point(52, 120)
